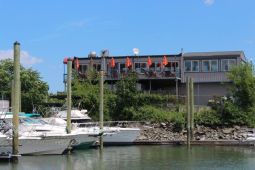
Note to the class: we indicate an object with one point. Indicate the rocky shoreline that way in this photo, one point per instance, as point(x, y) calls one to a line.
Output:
point(167, 132)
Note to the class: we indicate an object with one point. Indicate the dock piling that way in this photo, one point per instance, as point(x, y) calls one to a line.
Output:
point(101, 96)
point(188, 109)
point(16, 101)
point(69, 95)
point(191, 86)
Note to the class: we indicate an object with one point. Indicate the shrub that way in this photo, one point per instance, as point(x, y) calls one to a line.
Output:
point(152, 113)
point(208, 118)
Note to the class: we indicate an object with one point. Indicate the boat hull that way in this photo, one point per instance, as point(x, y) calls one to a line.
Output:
point(50, 145)
point(122, 136)
point(84, 139)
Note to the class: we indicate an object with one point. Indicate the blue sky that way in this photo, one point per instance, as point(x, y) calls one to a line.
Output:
point(50, 30)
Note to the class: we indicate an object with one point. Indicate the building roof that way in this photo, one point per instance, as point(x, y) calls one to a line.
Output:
point(140, 56)
point(218, 53)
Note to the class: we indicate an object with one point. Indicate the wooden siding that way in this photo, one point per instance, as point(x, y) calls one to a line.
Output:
point(206, 77)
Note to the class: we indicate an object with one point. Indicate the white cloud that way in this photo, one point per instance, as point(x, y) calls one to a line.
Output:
point(25, 57)
point(208, 2)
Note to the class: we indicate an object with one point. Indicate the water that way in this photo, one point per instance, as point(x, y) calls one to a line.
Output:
point(142, 158)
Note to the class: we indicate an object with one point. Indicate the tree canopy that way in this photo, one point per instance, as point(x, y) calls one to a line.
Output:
point(33, 90)
point(243, 89)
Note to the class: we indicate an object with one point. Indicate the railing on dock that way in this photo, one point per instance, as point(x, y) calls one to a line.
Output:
point(112, 123)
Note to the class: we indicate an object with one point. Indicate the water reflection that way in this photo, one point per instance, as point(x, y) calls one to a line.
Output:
point(142, 157)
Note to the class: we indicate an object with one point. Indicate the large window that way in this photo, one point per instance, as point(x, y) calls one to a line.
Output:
point(210, 65)
point(191, 65)
point(214, 65)
point(226, 64)
point(83, 68)
point(139, 67)
point(122, 68)
point(97, 67)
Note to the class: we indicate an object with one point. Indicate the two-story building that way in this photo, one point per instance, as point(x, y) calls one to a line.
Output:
point(167, 73)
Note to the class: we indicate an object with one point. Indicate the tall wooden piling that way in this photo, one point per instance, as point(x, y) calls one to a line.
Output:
point(69, 95)
point(101, 97)
point(191, 86)
point(16, 101)
point(176, 90)
point(188, 109)
point(12, 96)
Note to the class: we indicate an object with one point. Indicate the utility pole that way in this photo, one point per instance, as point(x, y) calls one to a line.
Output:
point(16, 101)
point(69, 95)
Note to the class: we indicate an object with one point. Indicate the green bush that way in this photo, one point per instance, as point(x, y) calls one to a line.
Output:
point(179, 121)
point(152, 113)
point(208, 118)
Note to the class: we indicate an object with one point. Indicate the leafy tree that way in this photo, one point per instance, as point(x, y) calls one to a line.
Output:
point(87, 90)
point(33, 90)
point(126, 100)
point(243, 88)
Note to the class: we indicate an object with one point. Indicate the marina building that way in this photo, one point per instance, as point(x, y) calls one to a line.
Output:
point(167, 74)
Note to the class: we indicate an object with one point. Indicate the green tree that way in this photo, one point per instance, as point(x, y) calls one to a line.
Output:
point(86, 92)
point(243, 88)
point(34, 91)
point(126, 100)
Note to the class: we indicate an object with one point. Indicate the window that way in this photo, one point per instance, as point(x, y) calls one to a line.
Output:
point(187, 65)
point(97, 67)
point(122, 68)
point(206, 66)
point(152, 67)
point(231, 63)
point(139, 67)
point(83, 68)
point(210, 65)
point(214, 65)
point(158, 66)
point(226, 64)
point(195, 66)
point(191, 65)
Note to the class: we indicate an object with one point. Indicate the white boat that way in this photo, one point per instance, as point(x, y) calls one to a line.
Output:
point(111, 135)
point(34, 144)
point(38, 137)
point(77, 116)
point(120, 136)
point(250, 137)
point(83, 138)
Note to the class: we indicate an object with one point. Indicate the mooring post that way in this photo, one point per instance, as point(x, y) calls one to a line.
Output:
point(191, 86)
point(188, 109)
point(12, 97)
point(101, 96)
point(69, 95)
point(16, 101)
point(176, 89)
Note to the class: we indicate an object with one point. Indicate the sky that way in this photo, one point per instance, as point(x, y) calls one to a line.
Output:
point(50, 30)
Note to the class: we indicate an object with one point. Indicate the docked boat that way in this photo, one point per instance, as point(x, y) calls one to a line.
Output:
point(83, 138)
point(31, 143)
point(250, 137)
point(39, 138)
point(77, 116)
point(120, 136)
point(111, 135)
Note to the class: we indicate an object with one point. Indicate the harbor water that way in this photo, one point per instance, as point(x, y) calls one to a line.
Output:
point(158, 157)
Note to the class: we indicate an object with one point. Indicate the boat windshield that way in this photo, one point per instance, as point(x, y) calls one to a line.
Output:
point(32, 121)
